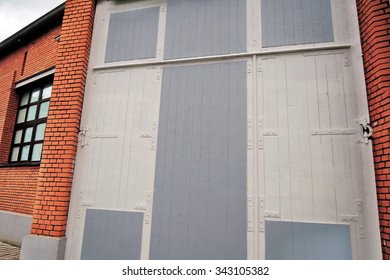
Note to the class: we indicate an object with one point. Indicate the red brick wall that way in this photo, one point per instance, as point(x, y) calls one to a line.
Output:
point(374, 18)
point(17, 188)
point(61, 138)
point(18, 184)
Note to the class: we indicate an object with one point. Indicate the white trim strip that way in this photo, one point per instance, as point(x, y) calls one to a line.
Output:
point(35, 78)
point(216, 57)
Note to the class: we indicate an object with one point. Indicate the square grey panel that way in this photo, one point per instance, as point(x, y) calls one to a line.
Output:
point(293, 22)
point(112, 235)
point(205, 27)
point(132, 35)
point(307, 241)
point(199, 204)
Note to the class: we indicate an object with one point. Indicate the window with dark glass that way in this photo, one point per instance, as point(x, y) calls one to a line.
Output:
point(31, 124)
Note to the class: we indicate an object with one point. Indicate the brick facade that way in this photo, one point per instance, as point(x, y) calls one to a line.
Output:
point(61, 138)
point(374, 19)
point(18, 184)
point(44, 191)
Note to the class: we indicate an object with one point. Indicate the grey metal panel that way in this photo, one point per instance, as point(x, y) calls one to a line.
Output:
point(298, 22)
point(279, 23)
point(199, 205)
point(132, 35)
point(307, 21)
point(327, 23)
point(278, 241)
point(267, 24)
point(112, 235)
point(291, 22)
point(242, 26)
point(307, 241)
point(288, 12)
point(204, 27)
point(317, 21)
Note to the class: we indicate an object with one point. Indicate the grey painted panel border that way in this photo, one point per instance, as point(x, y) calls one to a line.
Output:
point(132, 35)
point(292, 22)
point(112, 235)
point(199, 205)
point(307, 241)
point(205, 27)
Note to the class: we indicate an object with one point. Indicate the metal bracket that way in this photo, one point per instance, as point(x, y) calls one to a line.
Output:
point(347, 61)
point(270, 133)
point(140, 207)
point(260, 140)
point(78, 215)
point(162, 8)
point(145, 134)
point(365, 130)
point(103, 136)
point(83, 136)
point(250, 211)
point(259, 66)
point(343, 131)
point(158, 73)
point(148, 207)
point(153, 136)
point(249, 69)
point(349, 218)
point(87, 203)
point(268, 57)
point(272, 214)
point(322, 53)
point(262, 213)
point(360, 209)
point(250, 132)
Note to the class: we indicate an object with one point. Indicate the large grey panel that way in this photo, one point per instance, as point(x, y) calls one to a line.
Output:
point(132, 35)
point(199, 205)
point(112, 235)
point(307, 241)
point(292, 22)
point(205, 27)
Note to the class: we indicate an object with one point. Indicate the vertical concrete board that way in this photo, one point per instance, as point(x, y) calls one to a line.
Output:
point(199, 205)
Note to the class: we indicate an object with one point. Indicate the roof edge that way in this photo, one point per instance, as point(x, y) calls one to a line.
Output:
point(33, 28)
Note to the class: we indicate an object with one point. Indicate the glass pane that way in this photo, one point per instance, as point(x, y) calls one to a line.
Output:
point(24, 99)
point(37, 151)
point(35, 95)
point(15, 153)
point(40, 131)
point(46, 93)
point(44, 109)
point(25, 151)
point(28, 135)
point(31, 113)
point(18, 137)
point(21, 116)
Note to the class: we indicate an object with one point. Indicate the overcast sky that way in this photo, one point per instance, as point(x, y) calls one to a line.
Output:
point(16, 14)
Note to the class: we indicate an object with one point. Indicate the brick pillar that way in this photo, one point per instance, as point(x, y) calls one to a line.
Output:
point(61, 137)
point(8, 109)
point(374, 20)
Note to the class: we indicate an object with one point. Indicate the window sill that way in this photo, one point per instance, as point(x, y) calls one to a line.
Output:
point(20, 164)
